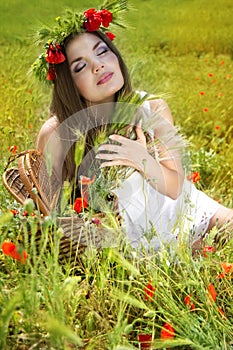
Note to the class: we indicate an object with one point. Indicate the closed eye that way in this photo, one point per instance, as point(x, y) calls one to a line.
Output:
point(102, 50)
point(78, 67)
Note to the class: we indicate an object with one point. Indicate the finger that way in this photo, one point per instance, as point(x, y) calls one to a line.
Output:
point(119, 162)
point(109, 148)
point(140, 135)
point(118, 138)
point(113, 163)
point(110, 156)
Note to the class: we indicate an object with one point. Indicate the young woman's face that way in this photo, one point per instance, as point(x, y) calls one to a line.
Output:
point(94, 68)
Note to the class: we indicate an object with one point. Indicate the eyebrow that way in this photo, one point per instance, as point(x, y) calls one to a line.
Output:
point(79, 58)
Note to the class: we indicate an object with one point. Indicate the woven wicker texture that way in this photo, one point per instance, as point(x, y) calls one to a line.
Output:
point(31, 180)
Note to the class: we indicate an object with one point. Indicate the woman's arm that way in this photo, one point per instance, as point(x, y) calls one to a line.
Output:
point(166, 175)
point(50, 145)
point(45, 133)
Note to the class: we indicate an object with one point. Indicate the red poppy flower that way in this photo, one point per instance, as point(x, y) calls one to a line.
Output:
point(210, 75)
point(188, 302)
point(208, 250)
point(205, 109)
point(221, 275)
point(202, 93)
point(14, 211)
point(51, 74)
point(212, 292)
point(227, 267)
point(167, 332)
point(222, 312)
point(55, 54)
point(145, 341)
point(149, 291)
point(96, 18)
point(80, 204)
point(111, 36)
point(106, 17)
point(93, 21)
point(194, 176)
point(217, 127)
point(12, 149)
point(11, 249)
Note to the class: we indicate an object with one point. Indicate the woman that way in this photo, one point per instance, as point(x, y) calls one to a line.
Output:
point(154, 200)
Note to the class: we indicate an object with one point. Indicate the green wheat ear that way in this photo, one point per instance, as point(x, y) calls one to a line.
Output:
point(79, 148)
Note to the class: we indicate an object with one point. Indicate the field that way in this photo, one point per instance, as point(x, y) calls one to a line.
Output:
point(181, 50)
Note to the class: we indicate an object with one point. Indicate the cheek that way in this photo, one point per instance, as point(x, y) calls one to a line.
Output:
point(82, 84)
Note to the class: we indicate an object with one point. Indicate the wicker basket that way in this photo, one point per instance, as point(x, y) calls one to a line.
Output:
point(31, 180)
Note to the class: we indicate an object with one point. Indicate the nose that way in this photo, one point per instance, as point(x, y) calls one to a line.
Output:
point(98, 67)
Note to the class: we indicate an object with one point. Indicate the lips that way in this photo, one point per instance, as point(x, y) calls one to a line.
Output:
point(105, 77)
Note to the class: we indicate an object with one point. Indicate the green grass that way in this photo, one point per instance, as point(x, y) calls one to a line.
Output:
point(176, 48)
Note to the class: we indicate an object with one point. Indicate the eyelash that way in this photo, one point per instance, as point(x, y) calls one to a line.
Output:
point(101, 53)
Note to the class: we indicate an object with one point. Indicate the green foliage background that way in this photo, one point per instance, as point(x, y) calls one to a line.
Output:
point(170, 47)
point(174, 48)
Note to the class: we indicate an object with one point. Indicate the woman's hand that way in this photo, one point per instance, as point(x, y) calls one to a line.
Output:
point(131, 153)
point(134, 154)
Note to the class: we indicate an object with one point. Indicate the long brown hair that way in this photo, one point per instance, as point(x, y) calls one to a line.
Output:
point(66, 100)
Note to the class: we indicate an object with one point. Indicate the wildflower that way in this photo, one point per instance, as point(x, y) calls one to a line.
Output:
point(106, 17)
point(227, 267)
point(84, 180)
point(212, 292)
point(111, 36)
point(210, 75)
point(201, 93)
point(96, 221)
point(222, 62)
point(149, 291)
point(167, 332)
point(95, 18)
point(205, 109)
point(217, 127)
point(84, 183)
point(12, 149)
point(221, 312)
point(194, 176)
point(145, 340)
point(188, 302)
point(10, 249)
point(93, 21)
point(51, 73)
point(228, 76)
point(30, 126)
point(220, 94)
point(54, 54)
point(208, 249)
point(14, 211)
point(80, 204)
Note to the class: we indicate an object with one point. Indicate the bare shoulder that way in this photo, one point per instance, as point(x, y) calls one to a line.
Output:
point(160, 105)
point(49, 126)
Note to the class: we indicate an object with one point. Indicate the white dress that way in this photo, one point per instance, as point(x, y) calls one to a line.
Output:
point(152, 220)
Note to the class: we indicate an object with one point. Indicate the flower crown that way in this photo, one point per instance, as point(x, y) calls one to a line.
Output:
point(88, 21)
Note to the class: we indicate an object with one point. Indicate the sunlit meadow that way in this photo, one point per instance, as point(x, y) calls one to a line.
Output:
point(181, 50)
